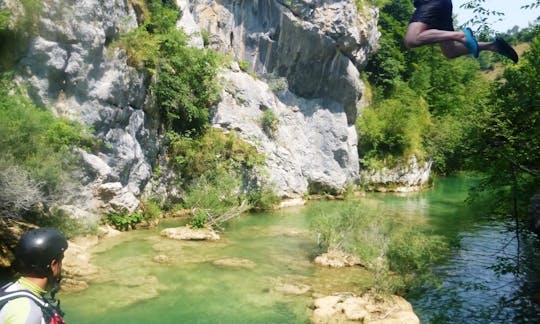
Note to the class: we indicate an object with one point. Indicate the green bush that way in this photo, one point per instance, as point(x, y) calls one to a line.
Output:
point(262, 198)
point(393, 129)
point(151, 210)
point(186, 84)
point(399, 254)
point(411, 251)
point(122, 220)
point(198, 220)
point(244, 65)
point(210, 153)
point(36, 158)
point(215, 194)
point(206, 38)
point(185, 77)
point(64, 223)
point(142, 48)
point(37, 141)
point(163, 16)
point(269, 122)
point(213, 167)
point(4, 19)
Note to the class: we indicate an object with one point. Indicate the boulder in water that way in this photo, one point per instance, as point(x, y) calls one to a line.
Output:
point(191, 234)
point(368, 308)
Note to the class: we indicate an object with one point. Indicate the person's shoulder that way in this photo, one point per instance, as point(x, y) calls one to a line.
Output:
point(21, 310)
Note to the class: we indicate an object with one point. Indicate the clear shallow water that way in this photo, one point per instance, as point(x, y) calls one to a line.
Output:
point(192, 288)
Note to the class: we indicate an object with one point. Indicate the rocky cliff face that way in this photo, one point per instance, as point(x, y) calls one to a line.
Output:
point(69, 68)
point(317, 45)
point(306, 55)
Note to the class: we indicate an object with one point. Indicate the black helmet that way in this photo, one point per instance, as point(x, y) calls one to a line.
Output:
point(37, 249)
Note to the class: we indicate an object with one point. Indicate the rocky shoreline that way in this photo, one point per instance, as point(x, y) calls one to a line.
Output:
point(339, 307)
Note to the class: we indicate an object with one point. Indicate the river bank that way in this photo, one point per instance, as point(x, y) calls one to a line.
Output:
point(328, 307)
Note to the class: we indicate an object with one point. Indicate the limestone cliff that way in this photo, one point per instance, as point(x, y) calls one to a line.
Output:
point(307, 56)
point(304, 58)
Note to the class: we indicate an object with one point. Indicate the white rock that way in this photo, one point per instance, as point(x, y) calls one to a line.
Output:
point(188, 233)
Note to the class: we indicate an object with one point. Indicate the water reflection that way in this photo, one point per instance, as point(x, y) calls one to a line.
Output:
point(479, 283)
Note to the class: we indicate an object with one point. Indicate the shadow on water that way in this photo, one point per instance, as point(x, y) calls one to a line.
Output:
point(276, 250)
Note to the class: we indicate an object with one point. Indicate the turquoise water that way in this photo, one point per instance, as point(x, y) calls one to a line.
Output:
point(192, 287)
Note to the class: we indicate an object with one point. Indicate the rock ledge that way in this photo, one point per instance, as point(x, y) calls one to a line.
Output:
point(368, 308)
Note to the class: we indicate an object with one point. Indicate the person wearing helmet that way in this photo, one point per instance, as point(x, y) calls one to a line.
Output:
point(30, 299)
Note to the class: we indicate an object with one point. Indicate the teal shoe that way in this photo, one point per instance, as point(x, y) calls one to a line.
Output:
point(471, 42)
point(506, 50)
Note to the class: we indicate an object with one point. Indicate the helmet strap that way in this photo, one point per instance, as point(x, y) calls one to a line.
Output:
point(53, 283)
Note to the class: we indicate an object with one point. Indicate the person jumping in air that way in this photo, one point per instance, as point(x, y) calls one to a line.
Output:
point(432, 23)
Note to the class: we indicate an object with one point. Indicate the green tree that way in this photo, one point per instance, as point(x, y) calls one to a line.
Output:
point(388, 66)
point(186, 86)
point(508, 139)
point(36, 154)
point(445, 94)
point(393, 129)
point(185, 77)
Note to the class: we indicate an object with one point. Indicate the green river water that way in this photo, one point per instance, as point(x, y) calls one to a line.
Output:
point(277, 250)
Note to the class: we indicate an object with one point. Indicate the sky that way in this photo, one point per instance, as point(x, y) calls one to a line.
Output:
point(513, 14)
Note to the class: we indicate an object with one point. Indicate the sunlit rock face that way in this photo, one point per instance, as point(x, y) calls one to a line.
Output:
point(70, 68)
point(317, 46)
point(406, 177)
point(307, 56)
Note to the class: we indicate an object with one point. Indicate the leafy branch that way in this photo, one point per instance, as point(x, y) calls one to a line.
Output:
point(532, 5)
point(481, 15)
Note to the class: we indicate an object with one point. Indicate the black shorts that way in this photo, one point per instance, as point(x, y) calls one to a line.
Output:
point(437, 14)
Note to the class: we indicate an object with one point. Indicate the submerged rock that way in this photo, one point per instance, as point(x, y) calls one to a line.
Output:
point(188, 233)
point(291, 285)
point(368, 308)
point(76, 266)
point(235, 263)
point(73, 285)
point(292, 289)
point(162, 259)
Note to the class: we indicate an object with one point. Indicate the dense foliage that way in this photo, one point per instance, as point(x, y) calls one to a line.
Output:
point(185, 77)
point(186, 84)
point(436, 97)
point(392, 248)
point(472, 122)
point(506, 145)
point(393, 128)
point(15, 30)
point(35, 154)
point(214, 168)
